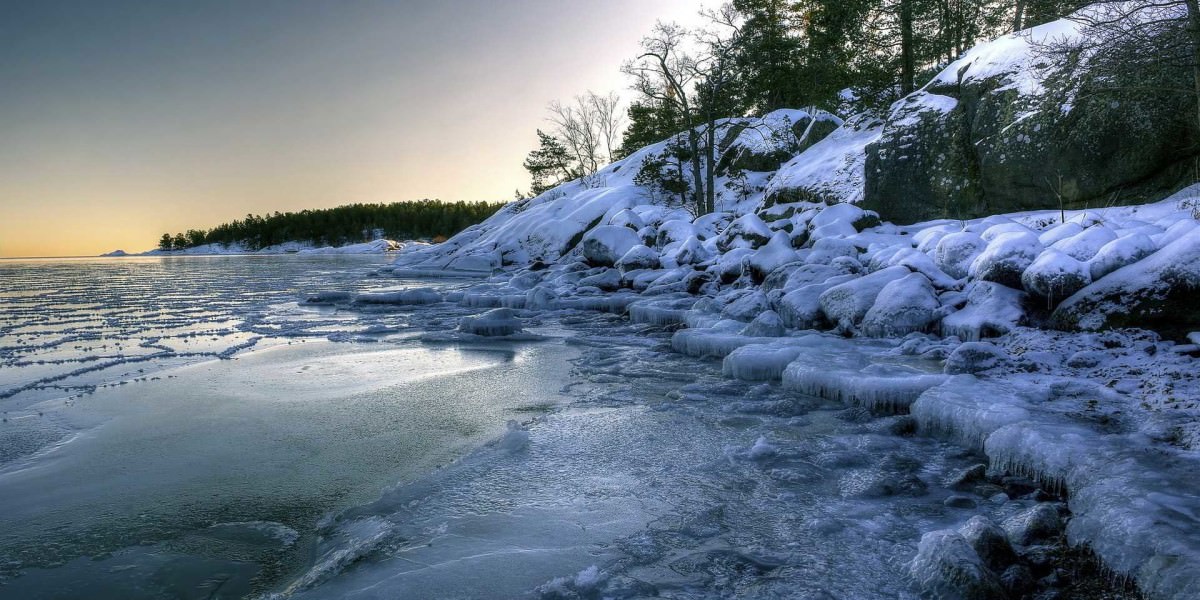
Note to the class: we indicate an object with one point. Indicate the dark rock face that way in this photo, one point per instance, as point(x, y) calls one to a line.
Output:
point(981, 145)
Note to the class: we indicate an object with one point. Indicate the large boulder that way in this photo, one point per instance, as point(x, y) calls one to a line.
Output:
point(1008, 127)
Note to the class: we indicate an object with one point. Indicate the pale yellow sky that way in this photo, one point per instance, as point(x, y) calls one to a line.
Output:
point(123, 120)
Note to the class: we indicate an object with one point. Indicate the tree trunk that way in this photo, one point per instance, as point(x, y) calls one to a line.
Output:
point(698, 192)
point(907, 59)
point(1019, 16)
point(710, 166)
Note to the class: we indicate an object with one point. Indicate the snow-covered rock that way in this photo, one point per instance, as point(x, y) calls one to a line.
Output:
point(956, 251)
point(991, 309)
point(766, 324)
point(846, 304)
point(902, 306)
point(747, 231)
point(1121, 252)
point(605, 245)
point(1056, 275)
point(1006, 258)
point(775, 254)
point(638, 257)
point(1158, 292)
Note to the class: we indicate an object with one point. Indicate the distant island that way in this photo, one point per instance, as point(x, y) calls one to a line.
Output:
point(366, 227)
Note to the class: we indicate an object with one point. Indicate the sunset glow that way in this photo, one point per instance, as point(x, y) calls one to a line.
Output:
point(122, 120)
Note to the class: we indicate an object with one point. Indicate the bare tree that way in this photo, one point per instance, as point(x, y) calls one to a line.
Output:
point(610, 120)
point(665, 72)
point(589, 128)
point(691, 72)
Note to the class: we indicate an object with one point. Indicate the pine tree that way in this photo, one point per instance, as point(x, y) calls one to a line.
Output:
point(650, 122)
point(549, 165)
point(767, 60)
point(165, 243)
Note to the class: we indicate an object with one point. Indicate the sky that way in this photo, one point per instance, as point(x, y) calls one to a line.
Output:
point(121, 120)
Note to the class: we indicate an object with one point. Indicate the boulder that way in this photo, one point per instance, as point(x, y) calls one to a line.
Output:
point(991, 310)
point(947, 567)
point(603, 246)
point(989, 541)
point(846, 304)
point(776, 253)
point(1055, 276)
point(747, 231)
point(1006, 258)
point(1039, 523)
point(1085, 244)
point(627, 218)
point(1157, 292)
point(675, 230)
point(974, 357)
point(955, 252)
point(690, 252)
point(902, 306)
point(638, 257)
point(766, 324)
point(800, 308)
point(746, 307)
point(1121, 252)
point(1005, 129)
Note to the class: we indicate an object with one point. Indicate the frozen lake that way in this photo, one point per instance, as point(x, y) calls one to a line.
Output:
point(176, 427)
point(193, 428)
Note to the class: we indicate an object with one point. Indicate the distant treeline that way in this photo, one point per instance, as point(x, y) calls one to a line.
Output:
point(353, 223)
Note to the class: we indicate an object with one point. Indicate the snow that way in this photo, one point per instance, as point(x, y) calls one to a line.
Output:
point(1010, 57)
point(956, 251)
point(1177, 264)
point(990, 309)
point(1006, 257)
point(1085, 244)
point(832, 168)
